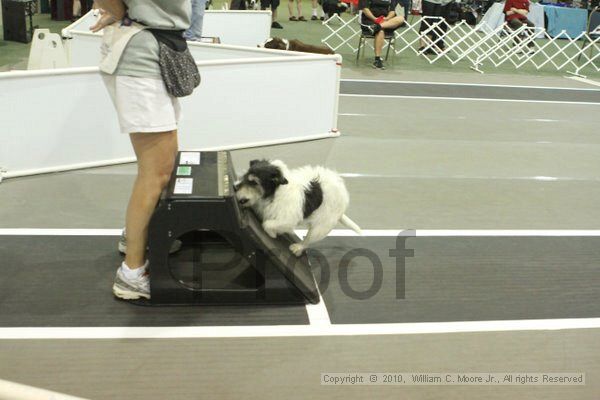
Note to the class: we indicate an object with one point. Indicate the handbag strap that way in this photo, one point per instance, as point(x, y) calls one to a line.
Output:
point(172, 39)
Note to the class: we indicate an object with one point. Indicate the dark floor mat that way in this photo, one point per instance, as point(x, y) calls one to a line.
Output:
point(52, 281)
point(417, 89)
point(463, 279)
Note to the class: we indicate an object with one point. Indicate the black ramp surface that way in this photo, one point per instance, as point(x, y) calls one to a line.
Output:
point(65, 281)
point(463, 279)
point(470, 91)
point(295, 269)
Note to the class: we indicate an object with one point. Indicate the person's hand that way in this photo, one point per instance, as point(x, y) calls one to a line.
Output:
point(513, 9)
point(106, 19)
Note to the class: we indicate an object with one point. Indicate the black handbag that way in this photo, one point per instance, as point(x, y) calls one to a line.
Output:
point(177, 66)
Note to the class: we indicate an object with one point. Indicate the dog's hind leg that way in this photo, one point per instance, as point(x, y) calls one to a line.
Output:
point(314, 234)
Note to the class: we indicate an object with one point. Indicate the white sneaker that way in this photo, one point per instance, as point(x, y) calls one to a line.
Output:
point(131, 289)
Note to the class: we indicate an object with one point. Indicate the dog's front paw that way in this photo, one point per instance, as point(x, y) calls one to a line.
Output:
point(297, 249)
point(270, 229)
point(271, 233)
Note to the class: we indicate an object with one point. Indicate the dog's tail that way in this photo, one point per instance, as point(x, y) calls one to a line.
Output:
point(350, 224)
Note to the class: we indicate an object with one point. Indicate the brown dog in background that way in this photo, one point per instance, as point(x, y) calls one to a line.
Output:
point(295, 45)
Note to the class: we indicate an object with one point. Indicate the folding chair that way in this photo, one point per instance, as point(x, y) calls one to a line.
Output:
point(593, 30)
point(362, 39)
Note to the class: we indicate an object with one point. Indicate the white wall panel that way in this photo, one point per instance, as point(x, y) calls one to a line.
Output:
point(62, 119)
point(236, 27)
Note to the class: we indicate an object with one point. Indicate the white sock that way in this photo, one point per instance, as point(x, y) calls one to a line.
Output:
point(314, 12)
point(133, 273)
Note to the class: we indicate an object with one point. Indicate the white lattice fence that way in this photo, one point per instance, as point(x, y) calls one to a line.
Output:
point(520, 48)
point(491, 47)
point(343, 33)
point(591, 60)
point(410, 38)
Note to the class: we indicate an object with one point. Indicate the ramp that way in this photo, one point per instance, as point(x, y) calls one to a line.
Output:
point(226, 257)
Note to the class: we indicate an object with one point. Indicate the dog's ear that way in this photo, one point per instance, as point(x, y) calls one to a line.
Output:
point(253, 162)
point(279, 180)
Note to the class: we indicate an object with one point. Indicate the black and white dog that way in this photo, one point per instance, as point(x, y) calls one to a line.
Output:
point(284, 198)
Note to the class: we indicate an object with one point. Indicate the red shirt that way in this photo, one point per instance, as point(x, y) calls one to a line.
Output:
point(519, 5)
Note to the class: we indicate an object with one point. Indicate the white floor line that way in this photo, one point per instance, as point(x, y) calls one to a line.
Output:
point(297, 330)
point(469, 99)
point(17, 391)
point(465, 84)
point(59, 232)
point(473, 177)
point(465, 232)
point(317, 313)
point(584, 80)
point(338, 232)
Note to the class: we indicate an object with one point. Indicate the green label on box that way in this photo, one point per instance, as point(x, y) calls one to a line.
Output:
point(184, 171)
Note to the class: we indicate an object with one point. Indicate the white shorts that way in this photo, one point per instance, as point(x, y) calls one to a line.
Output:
point(142, 104)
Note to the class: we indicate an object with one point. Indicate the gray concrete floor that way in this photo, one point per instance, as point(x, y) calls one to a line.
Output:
point(290, 368)
point(409, 163)
point(437, 164)
point(352, 71)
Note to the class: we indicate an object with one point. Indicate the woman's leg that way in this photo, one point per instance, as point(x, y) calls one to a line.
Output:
point(392, 23)
point(328, 10)
point(315, 6)
point(155, 153)
point(439, 30)
point(299, 6)
point(427, 10)
point(194, 32)
point(76, 8)
point(378, 43)
point(405, 7)
point(530, 32)
point(291, 8)
point(515, 24)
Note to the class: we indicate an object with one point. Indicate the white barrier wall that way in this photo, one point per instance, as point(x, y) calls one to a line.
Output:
point(206, 52)
point(235, 27)
point(238, 27)
point(84, 51)
point(56, 120)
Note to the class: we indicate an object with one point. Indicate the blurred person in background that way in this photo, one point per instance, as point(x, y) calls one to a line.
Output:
point(194, 32)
